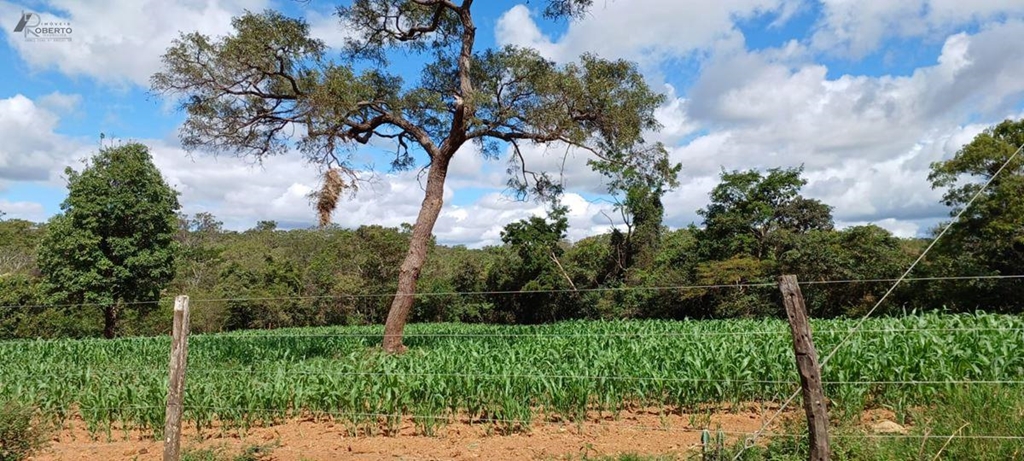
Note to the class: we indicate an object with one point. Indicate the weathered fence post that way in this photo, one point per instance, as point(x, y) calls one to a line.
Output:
point(176, 385)
point(807, 363)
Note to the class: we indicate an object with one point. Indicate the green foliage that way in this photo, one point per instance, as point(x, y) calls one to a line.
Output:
point(855, 253)
point(989, 236)
point(461, 275)
point(755, 228)
point(22, 431)
point(250, 453)
point(113, 243)
point(750, 212)
point(26, 314)
point(268, 295)
point(242, 90)
point(18, 241)
point(508, 375)
point(532, 266)
point(200, 251)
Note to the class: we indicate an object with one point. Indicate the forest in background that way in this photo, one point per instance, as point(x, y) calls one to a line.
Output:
point(756, 227)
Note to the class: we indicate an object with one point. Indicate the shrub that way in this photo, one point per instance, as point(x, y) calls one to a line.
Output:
point(21, 431)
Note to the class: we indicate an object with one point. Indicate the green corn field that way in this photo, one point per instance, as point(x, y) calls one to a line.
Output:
point(507, 375)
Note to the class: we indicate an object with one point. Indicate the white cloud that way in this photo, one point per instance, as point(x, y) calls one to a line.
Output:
point(674, 118)
point(31, 149)
point(517, 27)
point(856, 29)
point(899, 228)
point(640, 29)
point(29, 211)
point(327, 27)
point(866, 142)
point(60, 103)
point(121, 41)
point(481, 222)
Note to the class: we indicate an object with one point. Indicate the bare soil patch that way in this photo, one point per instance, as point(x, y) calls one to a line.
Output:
point(642, 431)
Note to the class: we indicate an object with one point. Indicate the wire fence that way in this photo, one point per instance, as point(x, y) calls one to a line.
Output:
point(771, 400)
point(427, 294)
point(266, 335)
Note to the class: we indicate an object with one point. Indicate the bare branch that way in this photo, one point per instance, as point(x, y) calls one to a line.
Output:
point(562, 270)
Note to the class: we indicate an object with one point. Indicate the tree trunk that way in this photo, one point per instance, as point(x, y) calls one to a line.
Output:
point(401, 306)
point(109, 321)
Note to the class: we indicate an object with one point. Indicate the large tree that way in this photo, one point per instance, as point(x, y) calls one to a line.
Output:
point(247, 92)
point(113, 244)
point(750, 211)
point(989, 236)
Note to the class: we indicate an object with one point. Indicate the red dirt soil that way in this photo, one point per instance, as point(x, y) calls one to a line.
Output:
point(640, 432)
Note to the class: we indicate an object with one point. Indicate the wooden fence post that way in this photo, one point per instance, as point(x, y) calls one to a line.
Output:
point(807, 363)
point(176, 384)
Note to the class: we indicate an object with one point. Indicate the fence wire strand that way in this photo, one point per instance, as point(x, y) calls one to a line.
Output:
point(523, 292)
point(264, 335)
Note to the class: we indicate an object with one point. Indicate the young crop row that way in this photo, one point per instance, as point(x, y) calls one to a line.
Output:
point(507, 374)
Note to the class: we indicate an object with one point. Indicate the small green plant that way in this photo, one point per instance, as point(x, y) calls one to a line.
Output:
point(202, 454)
point(250, 453)
point(22, 431)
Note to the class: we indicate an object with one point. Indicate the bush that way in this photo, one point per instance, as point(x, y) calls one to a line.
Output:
point(21, 432)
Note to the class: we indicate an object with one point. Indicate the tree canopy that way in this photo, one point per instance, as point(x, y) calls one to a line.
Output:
point(113, 243)
point(749, 210)
point(989, 236)
point(247, 92)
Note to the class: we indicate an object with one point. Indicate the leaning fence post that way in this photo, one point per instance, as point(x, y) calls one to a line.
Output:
point(176, 384)
point(807, 364)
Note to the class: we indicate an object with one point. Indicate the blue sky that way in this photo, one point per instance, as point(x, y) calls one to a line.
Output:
point(864, 96)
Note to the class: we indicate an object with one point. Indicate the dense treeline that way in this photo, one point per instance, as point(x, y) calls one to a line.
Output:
point(115, 248)
point(268, 278)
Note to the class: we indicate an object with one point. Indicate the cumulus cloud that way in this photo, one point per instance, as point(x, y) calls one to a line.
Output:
point(645, 30)
point(60, 103)
point(120, 41)
point(239, 194)
point(856, 29)
point(29, 211)
point(327, 27)
point(866, 142)
point(32, 150)
point(898, 227)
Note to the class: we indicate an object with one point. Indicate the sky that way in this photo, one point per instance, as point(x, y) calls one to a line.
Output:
point(864, 95)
